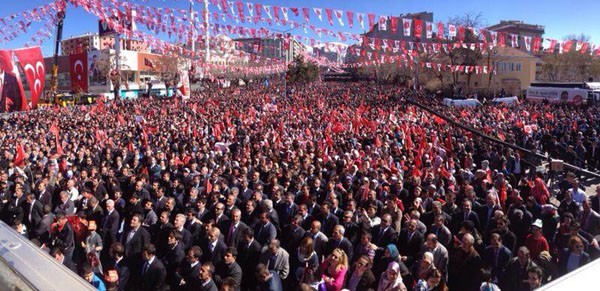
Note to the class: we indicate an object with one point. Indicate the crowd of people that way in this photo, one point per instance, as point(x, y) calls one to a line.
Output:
point(334, 186)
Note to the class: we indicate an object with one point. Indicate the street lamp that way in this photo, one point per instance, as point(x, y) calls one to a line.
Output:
point(286, 58)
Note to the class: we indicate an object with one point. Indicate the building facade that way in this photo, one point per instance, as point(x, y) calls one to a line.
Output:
point(93, 42)
point(272, 48)
point(515, 70)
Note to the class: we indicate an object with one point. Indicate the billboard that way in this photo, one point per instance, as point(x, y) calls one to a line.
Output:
point(98, 67)
point(557, 95)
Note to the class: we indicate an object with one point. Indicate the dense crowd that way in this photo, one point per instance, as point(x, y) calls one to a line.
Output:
point(334, 186)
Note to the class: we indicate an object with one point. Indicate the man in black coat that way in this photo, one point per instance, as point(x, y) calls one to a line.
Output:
point(173, 257)
point(233, 228)
point(117, 251)
point(328, 220)
point(110, 222)
point(292, 234)
point(337, 240)
point(229, 268)
point(265, 231)
point(465, 214)
point(384, 234)
point(188, 273)
point(160, 232)
point(248, 253)
point(287, 210)
point(214, 248)
point(496, 256)
point(63, 236)
point(134, 240)
point(410, 241)
point(153, 273)
point(34, 213)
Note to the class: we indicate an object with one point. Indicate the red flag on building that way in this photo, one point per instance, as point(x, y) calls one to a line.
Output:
point(149, 63)
point(394, 24)
point(13, 96)
point(32, 62)
point(418, 28)
point(79, 78)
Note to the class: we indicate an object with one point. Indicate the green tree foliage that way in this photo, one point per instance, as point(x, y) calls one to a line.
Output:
point(300, 71)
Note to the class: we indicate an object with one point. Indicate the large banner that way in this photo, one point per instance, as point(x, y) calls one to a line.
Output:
point(32, 62)
point(79, 72)
point(98, 68)
point(12, 95)
point(184, 84)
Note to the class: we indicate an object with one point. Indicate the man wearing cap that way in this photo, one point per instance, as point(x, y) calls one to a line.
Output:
point(536, 242)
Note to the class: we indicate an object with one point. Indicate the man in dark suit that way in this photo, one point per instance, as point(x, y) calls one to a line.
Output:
point(287, 210)
point(496, 256)
point(465, 214)
point(66, 205)
point(35, 212)
point(43, 194)
point(328, 220)
point(42, 231)
point(268, 280)
point(117, 251)
point(206, 282)
point(229, 268)
point(486, 212)
point(250, 216)
point(188, 273)
point(384, 234)
point(428, 218)
point(63, 236)
point(337, 240)
point(410, 241)
point(265, 231)
point(10, 95)
point(248, 253)
point(59, 256)
point(173, 258)
point(233, 228)
point(154, 272)
point(589, 219)
point(110, 222)
point(160, 232)
point(292, 234)
point(134, 241)
point(214, 247)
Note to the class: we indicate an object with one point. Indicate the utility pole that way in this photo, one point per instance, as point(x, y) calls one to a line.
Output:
point(207, 41)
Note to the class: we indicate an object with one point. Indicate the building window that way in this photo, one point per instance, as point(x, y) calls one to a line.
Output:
point(518, 67)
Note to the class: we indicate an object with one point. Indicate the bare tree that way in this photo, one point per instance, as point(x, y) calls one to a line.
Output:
point(573, 65)
point(465, 56)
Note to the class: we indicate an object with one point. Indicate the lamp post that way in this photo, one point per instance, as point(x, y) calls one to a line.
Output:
point(283, 32)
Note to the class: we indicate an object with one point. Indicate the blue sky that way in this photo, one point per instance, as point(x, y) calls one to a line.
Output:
point(560, 18)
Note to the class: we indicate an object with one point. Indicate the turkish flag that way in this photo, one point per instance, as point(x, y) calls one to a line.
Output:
point(19, 160)
point(32, 62)
point(418, 28)
point(12, 95)
point(79, 78)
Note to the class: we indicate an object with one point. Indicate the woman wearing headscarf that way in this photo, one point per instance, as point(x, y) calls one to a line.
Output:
point(391, 280)
point(391, 254)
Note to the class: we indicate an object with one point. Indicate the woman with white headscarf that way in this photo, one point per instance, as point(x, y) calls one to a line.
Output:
point(391, 280)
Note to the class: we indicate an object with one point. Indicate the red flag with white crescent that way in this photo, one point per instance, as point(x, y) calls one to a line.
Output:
point(32, 62)
point(79, 78)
